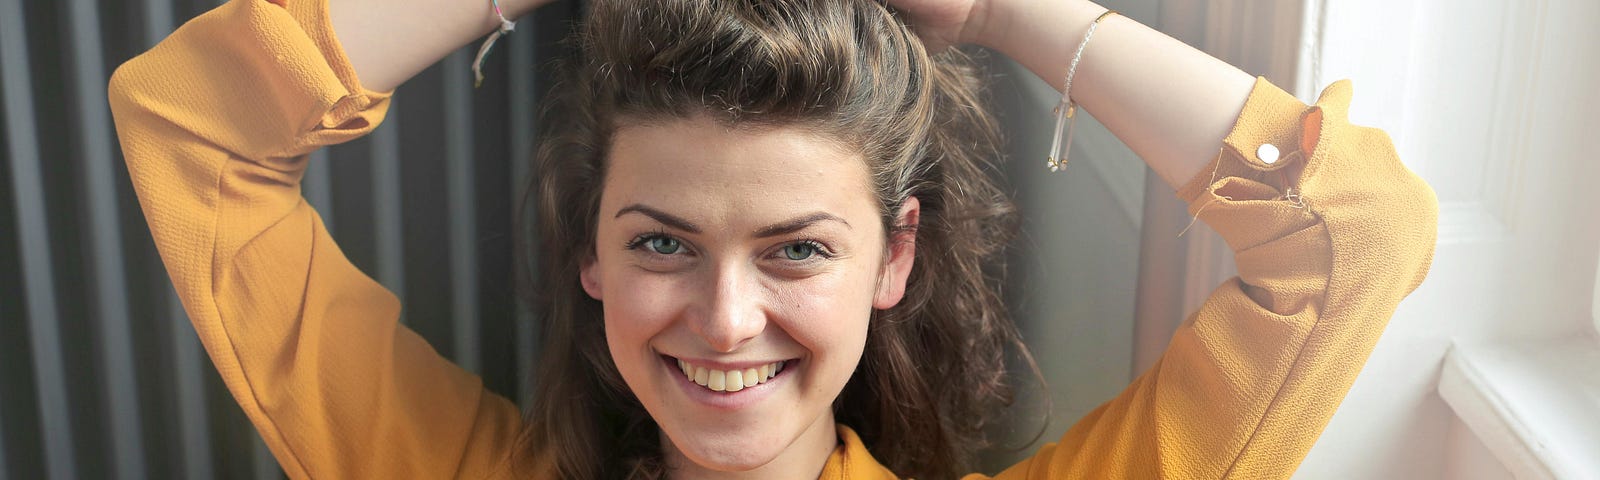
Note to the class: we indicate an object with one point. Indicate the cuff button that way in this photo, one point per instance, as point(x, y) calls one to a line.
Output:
point(1267, 153)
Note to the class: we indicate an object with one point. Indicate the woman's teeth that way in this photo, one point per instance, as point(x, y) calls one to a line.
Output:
point(730, 380)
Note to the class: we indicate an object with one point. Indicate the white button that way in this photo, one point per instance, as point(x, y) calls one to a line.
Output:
point(1267, 153)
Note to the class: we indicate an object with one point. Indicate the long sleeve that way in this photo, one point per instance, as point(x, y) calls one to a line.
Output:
point(216, 123)
point(1328, 240)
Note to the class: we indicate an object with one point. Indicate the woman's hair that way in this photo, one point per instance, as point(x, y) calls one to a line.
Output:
point(932, 374)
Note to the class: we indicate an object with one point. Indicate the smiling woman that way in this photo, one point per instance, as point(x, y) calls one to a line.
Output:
point(768, 242)
point(778, 257)
point(772, 217)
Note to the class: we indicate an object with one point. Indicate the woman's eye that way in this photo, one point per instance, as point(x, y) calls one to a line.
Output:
point(799, 251)
point(664, 245)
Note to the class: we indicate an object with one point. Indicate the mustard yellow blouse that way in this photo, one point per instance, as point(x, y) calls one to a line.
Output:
point(216, 122)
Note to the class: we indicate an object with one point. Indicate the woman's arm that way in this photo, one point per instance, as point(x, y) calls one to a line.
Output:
point(389, 41)
point(1172, 104)
point(1328, 239)
point(216, 122)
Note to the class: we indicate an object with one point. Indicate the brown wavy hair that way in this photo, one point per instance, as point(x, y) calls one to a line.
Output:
point(932, 375)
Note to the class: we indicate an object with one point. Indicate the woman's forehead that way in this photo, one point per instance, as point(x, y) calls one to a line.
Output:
point(700, 168)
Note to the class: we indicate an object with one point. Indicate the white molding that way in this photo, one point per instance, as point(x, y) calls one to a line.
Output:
point(1486, 210)
point(1531, 404)
point(1308, 64)
point(1512, 113)
point(1594, 309)
point(1467, 392)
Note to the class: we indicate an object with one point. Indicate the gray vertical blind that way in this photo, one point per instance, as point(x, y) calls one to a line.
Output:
point(101, 373)
point(31, 240)
point(521, 102)
point(109, 290)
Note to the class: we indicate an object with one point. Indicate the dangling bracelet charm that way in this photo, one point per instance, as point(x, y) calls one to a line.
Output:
point(506, 26)
point(1067, 111)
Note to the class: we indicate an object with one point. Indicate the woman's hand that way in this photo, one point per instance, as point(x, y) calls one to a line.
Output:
point(942, 23)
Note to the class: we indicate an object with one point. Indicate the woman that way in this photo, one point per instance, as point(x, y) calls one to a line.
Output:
point(768, 242)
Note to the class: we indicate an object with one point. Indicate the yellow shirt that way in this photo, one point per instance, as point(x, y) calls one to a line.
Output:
point(216, 122)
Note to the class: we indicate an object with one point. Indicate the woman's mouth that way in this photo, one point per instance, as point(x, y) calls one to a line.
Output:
point(729, 379)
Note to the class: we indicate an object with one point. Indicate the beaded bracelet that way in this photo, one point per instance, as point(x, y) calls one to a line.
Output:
point(1066, 112)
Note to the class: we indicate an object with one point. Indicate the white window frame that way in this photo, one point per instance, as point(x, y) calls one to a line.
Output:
point(1594, 308)
point(1529, 402)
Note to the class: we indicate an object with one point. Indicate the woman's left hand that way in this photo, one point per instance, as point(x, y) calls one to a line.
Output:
point(942, 23)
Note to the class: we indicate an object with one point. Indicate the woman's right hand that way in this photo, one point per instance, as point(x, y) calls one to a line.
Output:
point(942, 23)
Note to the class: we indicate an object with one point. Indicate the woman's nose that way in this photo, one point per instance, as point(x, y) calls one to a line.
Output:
point(730, 312)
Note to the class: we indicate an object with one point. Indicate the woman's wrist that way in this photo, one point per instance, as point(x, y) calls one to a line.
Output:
point(432, 29)
point(517, 8)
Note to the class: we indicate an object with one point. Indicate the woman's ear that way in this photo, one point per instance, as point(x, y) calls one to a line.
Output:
point(902, 253)
point(589, 276)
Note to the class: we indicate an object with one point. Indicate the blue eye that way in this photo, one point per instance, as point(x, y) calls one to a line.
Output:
point(657, 243)
point(664, 245)
point(799, 251)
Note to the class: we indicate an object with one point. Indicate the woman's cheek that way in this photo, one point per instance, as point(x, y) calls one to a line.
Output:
point(643, 304)
point(828, 314)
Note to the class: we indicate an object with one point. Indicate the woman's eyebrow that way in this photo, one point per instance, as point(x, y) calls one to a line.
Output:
point(666, 218)
point(780, 228)
point(796, 224)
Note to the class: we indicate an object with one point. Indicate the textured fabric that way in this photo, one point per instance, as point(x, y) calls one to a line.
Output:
point(217, 119)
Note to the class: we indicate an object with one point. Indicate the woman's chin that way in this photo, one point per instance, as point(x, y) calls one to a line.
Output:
point(737, 454)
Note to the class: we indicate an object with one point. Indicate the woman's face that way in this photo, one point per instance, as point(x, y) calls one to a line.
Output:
point(752, 259)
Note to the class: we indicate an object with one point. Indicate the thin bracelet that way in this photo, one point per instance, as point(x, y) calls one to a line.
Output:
point(506, 26)
point(1067, 110)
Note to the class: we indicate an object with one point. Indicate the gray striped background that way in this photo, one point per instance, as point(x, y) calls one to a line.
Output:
point(101, 374)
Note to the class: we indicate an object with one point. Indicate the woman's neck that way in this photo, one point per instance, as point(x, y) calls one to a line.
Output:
point(802, 460)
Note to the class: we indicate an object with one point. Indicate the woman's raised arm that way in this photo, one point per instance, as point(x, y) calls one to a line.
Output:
point(1328, 236)
point(216, 123)
point(1172, 104)
point(389, 41)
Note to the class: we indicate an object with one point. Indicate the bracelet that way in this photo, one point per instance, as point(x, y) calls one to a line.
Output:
point(506, 26)
point(1066, 112)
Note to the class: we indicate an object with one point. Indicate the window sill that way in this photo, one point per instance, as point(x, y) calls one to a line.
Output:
point(1535, 405)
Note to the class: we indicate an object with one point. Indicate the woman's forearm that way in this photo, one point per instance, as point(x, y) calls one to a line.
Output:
point(389, 41)
point(1172, 104)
